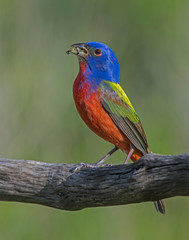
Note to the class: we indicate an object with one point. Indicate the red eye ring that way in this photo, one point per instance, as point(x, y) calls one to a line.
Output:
point(98, 52)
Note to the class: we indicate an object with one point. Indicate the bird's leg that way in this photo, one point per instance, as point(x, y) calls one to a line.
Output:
point(107, 155)
point(129, 154)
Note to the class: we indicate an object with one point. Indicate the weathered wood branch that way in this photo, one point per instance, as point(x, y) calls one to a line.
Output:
point(77, 186)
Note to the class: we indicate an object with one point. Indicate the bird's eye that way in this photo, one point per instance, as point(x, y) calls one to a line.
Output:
point(98, 52)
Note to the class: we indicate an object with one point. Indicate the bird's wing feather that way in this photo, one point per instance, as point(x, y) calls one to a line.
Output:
point(117, 105)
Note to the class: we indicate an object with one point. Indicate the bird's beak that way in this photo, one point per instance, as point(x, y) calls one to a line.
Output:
point(79, 49)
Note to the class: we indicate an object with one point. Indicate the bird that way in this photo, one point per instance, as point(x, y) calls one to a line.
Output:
point(104, 106)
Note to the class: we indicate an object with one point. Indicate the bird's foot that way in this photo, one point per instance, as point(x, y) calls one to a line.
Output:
point(81, 166)
point(103, 165)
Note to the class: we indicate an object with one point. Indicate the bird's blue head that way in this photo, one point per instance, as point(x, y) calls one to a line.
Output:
point(101, 62)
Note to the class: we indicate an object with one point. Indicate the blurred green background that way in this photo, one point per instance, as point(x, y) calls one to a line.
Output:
point(38, 119)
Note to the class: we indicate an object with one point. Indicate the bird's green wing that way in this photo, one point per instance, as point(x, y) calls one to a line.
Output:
point(116, 103)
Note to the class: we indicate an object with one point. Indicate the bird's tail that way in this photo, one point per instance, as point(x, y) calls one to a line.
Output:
point(160, 206)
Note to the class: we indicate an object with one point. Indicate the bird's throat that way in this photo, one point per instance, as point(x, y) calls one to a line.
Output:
point(82, 66)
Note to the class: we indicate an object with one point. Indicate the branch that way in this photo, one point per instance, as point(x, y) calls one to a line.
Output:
point(77, 186)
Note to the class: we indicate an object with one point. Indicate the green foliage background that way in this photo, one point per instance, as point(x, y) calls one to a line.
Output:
point(38, 119)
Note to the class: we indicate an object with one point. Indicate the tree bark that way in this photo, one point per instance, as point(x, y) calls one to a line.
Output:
point(78, 186)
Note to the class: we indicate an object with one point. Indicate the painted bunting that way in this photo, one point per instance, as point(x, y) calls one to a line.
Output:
point(104, 106)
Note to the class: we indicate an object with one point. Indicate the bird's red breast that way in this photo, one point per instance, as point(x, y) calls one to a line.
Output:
point(89, 106)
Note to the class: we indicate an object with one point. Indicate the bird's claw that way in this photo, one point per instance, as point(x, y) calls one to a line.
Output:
point(103, 165)
point(82, 165)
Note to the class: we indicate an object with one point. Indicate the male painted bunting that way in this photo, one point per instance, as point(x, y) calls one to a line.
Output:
point(104, 106)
